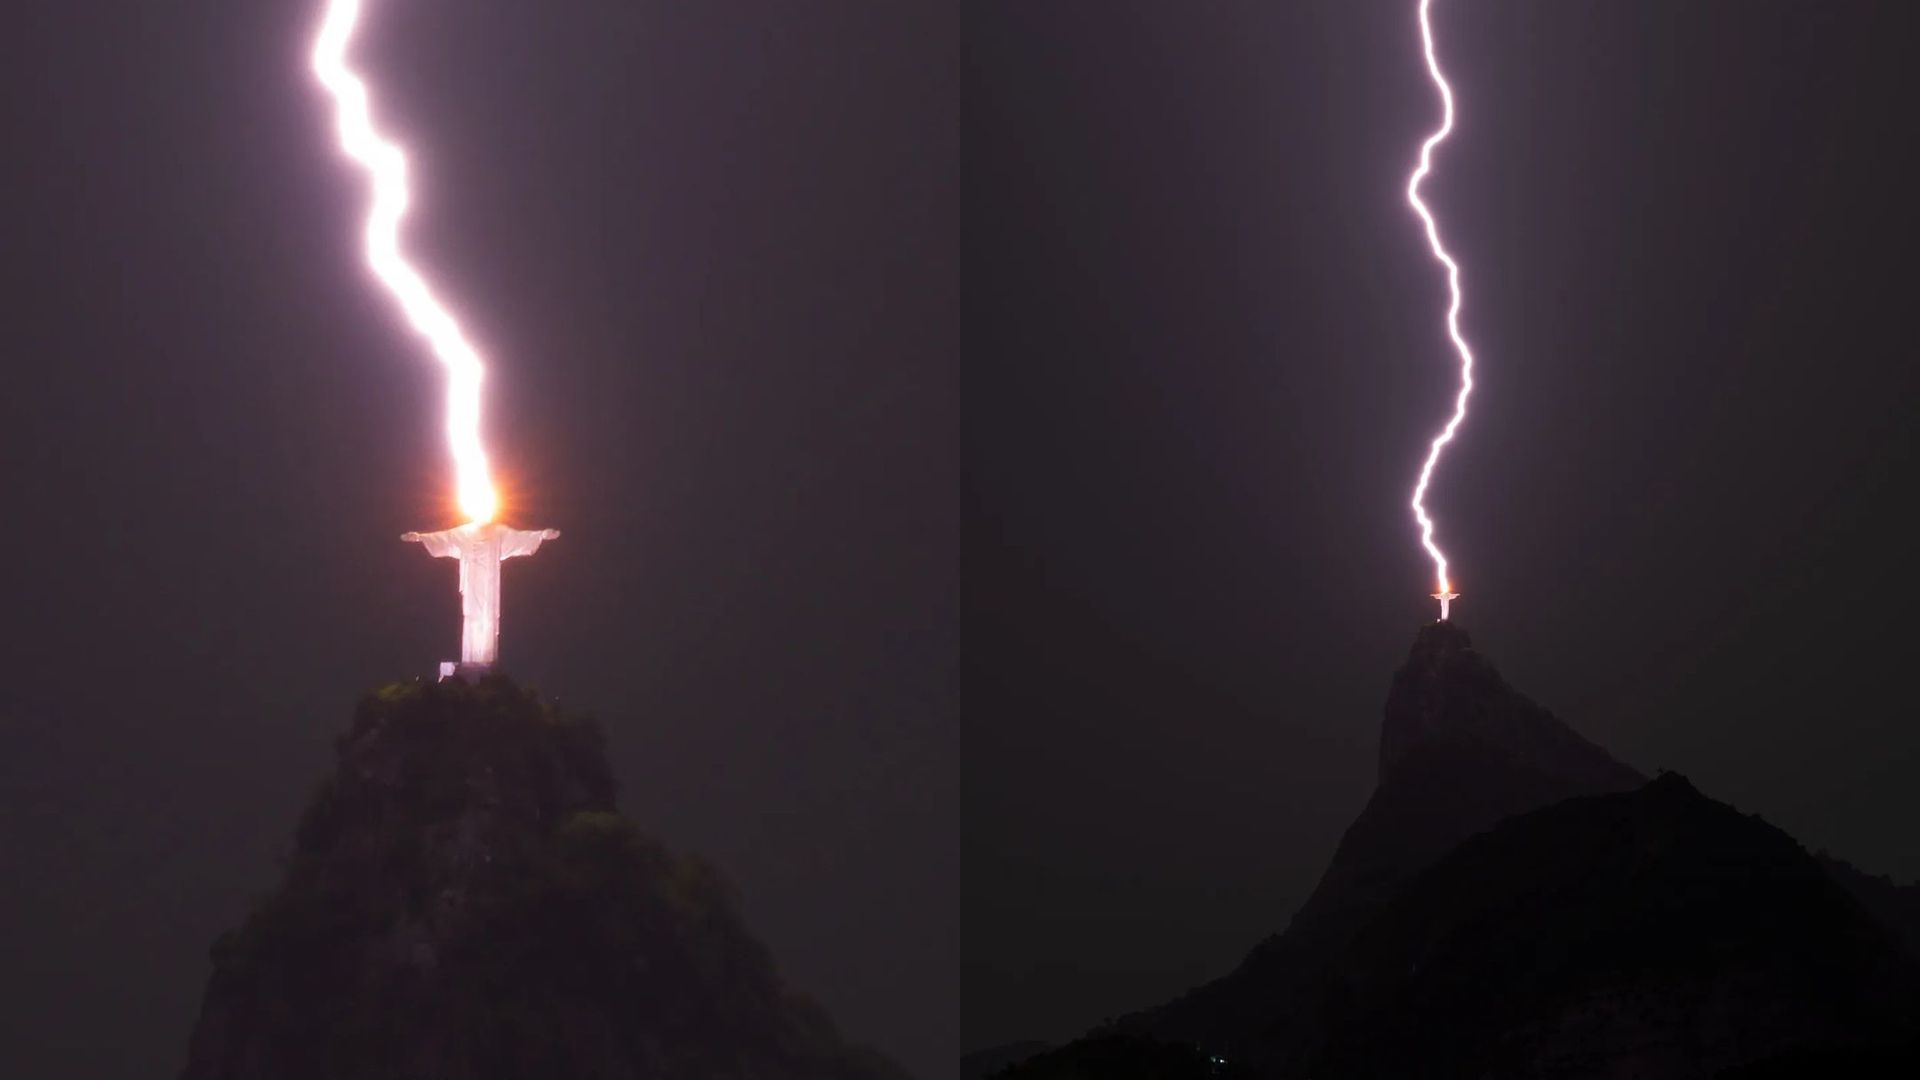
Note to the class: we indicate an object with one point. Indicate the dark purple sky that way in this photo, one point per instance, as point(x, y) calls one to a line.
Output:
point(711, 251)
point(1203, 353)
point(719, 254)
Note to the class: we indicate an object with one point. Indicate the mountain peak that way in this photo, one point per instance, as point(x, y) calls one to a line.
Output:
point(1460, 750)
point(1512, 901)
point(1448, 692)
point(1442, 636)
point(464, 902)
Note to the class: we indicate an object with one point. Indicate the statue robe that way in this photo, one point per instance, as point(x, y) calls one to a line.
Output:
point(480, 549)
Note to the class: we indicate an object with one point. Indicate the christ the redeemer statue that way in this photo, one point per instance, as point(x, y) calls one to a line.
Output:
point(480, 547)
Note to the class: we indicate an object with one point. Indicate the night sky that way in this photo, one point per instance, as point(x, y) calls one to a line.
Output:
point(1203, 352)
point(711, 250)
point(1073, 358)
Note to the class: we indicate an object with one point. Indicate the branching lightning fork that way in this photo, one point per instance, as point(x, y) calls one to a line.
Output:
point(1445, 593)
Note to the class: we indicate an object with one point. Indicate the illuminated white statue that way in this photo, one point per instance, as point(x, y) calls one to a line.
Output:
point(480, 546)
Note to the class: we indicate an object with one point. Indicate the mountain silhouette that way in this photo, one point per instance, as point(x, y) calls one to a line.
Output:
point(465, 903)
point(1511, 891)
point(1460, 750)
point(981, 1064)
point(1654, 933)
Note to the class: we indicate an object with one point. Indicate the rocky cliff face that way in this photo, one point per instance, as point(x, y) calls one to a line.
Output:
point(1447, 693)
point(1655, 933)
point(464, 903)
point(1513, 902)
point(1460, 750)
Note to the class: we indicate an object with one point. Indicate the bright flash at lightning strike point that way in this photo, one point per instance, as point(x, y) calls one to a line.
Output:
point(1440, 441)
point(386, 166)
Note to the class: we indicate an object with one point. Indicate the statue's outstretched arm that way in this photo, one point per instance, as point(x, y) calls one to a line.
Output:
point(444, 544)
point(519, 542)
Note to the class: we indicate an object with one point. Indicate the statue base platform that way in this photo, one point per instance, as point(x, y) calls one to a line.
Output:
point(452, 669)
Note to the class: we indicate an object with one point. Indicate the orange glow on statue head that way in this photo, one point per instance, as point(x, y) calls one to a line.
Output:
point(480, 505)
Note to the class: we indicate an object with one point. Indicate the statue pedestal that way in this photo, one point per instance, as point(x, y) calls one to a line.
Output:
point(453, 669)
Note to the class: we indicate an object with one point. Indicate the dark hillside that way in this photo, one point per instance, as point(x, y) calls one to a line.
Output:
point(1513, 902)
point(465, 903)
point(1654, 933)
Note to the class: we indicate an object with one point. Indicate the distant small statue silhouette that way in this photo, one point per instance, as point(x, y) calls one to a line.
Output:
point(480, 546)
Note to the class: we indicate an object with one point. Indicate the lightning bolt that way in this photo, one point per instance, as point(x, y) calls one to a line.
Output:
point(386, 166)
point(1441, 440)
